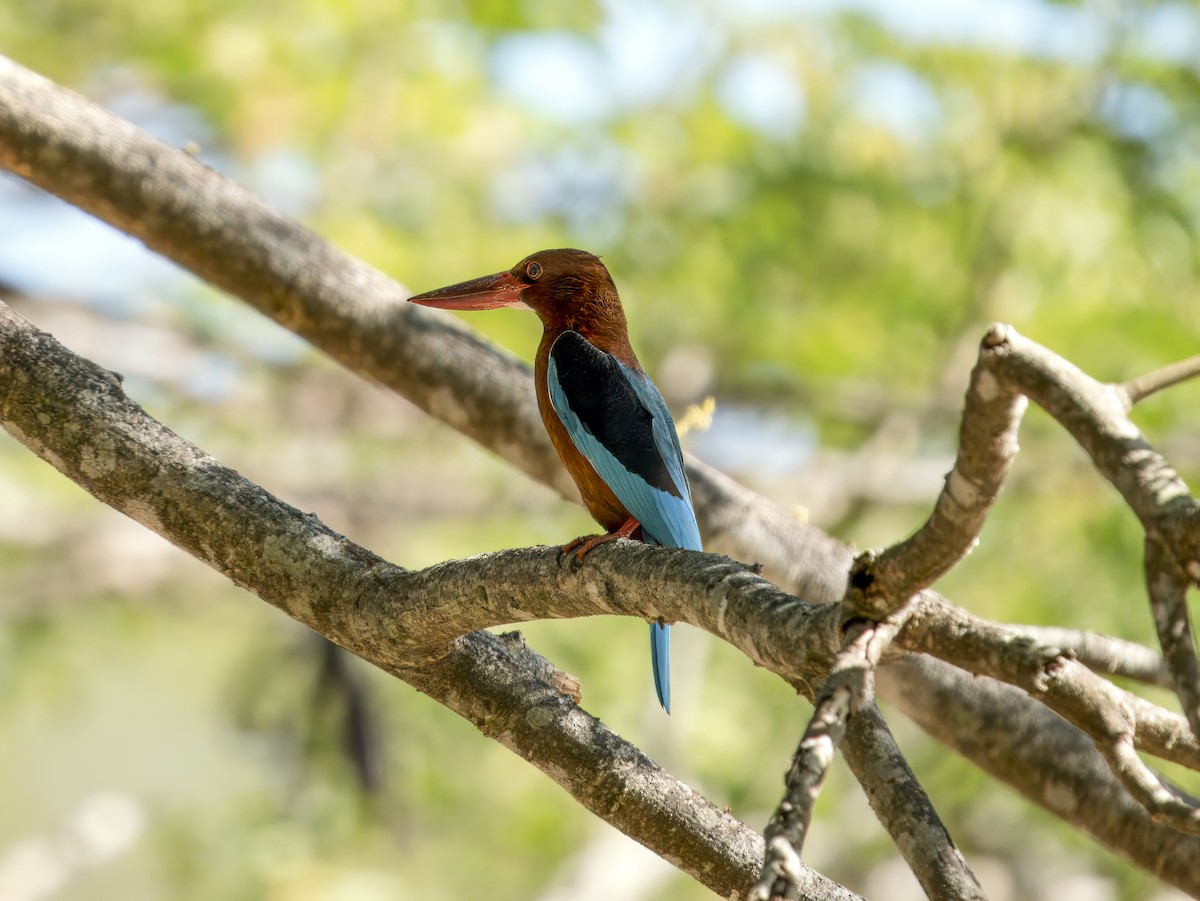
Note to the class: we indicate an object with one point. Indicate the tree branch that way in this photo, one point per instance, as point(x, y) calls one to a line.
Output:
point(1043, 757)
point(843, 708)
point(874, 606)
point(1168, 585)
point(1096, 416)
point(1101, 653)
point(216, 229)
point(1095, 705)
point(1138, 389)
point(987, 444)
point(74, 414)
point(904, 808)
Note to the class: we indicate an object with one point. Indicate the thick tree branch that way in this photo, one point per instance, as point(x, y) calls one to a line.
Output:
point(351, 311)
point(74, 414)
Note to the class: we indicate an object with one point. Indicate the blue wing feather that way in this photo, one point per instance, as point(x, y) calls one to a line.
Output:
point(666, 516)
point(635, 472)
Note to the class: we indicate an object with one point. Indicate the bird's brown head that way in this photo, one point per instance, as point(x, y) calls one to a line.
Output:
point(566, 288)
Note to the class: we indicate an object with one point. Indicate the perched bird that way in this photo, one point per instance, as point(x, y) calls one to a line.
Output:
point(606, 419)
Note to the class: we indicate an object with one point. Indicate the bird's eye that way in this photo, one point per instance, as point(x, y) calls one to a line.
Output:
point(534, 270)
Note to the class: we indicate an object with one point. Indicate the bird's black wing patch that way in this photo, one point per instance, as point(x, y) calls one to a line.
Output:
point(598, 391)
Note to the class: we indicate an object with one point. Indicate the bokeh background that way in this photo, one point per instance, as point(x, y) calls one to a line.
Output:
point(812, 210)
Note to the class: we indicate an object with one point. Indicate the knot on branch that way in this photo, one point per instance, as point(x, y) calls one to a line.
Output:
point(997, 337)
point(514, 643)
point(867, 595)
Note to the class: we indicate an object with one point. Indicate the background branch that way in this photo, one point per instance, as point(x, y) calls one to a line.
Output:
point(1101, 653)
point(1049, 761)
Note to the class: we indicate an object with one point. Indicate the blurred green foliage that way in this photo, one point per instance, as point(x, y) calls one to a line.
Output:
point(811, 213)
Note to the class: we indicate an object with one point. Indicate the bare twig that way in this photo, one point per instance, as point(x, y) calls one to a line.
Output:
point(1168, 586)
point(844, 691)
point(842, 702)
point(1166, 803)
point(1095, 415)
point(1138, 389)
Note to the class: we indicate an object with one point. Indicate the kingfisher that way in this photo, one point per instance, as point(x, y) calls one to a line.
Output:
point(607, 420)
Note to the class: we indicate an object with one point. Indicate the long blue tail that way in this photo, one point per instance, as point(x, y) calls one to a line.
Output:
point(660, 660)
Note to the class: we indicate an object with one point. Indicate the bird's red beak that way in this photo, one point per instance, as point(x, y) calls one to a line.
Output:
point(487, 293)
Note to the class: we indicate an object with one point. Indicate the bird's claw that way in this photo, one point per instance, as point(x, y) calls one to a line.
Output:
point(587, 543)
point(584, 543)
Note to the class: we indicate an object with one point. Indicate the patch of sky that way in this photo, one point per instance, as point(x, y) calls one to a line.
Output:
point(642, 54)
point(767, 444)
point(1169, 32)
point(586, 184)
point(1135, 110)
point(121, 91)
point(51, 249)
point(1028, 27)
point(896, 98)
point(557, 75)
point(763, 94)
point(657, 53)
point(285, 179)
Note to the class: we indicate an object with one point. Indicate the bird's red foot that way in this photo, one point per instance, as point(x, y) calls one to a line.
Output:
point(584, 545)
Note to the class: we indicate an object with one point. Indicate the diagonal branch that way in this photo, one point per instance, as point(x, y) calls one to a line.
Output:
point(1168, 586)
point(75, 415)
point(904, 808)
point(1138, 389)
point(987, 443)
point(1101, 653)
point(1093, 704)
point(1051, 762)
point(878, 589)
point(217, 230)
